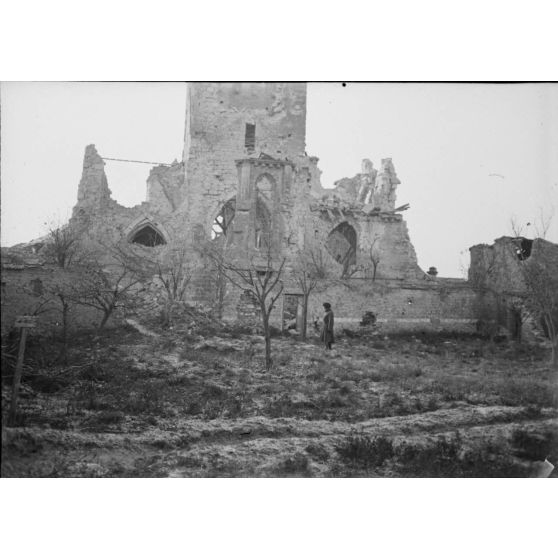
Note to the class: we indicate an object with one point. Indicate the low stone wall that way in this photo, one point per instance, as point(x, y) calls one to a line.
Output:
point(439, 305)
point(24, 292)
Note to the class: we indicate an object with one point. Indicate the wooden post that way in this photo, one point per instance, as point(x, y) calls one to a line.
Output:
point(24, 323)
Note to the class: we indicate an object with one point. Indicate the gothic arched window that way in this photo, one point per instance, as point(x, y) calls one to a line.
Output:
point(148, 236)
point(341, 244)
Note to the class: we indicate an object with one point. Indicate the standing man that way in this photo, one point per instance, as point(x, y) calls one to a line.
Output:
point(327, 329)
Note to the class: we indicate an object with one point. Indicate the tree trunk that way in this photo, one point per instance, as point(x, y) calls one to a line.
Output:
point(553, 337)
point(304, 316)
point(267, 337)
point(554, 352)
point(64, 354)
point(221, 286)
point(106, 315)
point(167, 314)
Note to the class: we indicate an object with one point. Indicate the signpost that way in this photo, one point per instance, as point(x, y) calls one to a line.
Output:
point(24, 323)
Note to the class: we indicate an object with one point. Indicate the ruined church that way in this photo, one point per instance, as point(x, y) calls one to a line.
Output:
point(245, 178)
point(246, 184)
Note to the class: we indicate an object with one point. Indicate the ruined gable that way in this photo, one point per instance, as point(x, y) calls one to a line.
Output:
point(366, 204)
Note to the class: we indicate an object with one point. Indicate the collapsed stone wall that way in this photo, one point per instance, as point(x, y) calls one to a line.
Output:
point(498, 266)
point(367, 203)
point(497, 270)
point(165, 188)
point(102, 219)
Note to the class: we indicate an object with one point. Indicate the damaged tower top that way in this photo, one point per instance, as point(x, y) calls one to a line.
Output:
point(245, 119)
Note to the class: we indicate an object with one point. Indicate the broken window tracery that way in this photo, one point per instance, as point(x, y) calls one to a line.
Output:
point(224, 219)
point(341, 244)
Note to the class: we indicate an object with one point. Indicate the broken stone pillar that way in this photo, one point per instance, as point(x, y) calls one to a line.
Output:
point(93, 190)
point(367, 182)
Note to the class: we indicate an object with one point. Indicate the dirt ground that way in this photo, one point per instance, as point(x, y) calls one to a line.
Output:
point(131, 403)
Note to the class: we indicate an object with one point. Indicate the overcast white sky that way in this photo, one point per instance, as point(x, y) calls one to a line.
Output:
point(470, 157)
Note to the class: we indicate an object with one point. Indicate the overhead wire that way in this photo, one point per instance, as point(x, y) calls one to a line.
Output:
point(134, 161)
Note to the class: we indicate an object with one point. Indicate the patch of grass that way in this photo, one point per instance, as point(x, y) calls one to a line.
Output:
point(236, 331)
point(284, 406)
point(296, 465)
point(283, 359)
point(362, 451)
point(394, 372)
point(318, 452)
point(446, 457)
point(535, 446)
point(436, 460)
point(164, 345)
point(145, 399)
point(523, 392)
point(105, 418)
point(44, 382)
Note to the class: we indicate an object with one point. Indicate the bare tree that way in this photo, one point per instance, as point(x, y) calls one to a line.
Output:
point(60, 292)
point(540, 275)
point(219, 286)
point(173, 271)
point(308, 269)
point(106, 286)
point(539, 271)
point(50, 295)
point(63, 245)
point(261, 278)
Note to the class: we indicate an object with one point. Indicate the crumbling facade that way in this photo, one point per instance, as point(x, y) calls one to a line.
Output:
point(246, 181)
point(501, 272)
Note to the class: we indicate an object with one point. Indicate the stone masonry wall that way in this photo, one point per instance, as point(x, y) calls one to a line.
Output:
point(21, 290)
point(437, 305)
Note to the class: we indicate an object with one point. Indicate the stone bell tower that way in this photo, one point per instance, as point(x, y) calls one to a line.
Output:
point(232, 128)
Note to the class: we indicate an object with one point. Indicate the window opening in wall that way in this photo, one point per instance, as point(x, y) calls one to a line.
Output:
point(148, 236)
point(223, 221)
point(523, 247)
point(341, 245)
point(250, 137)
